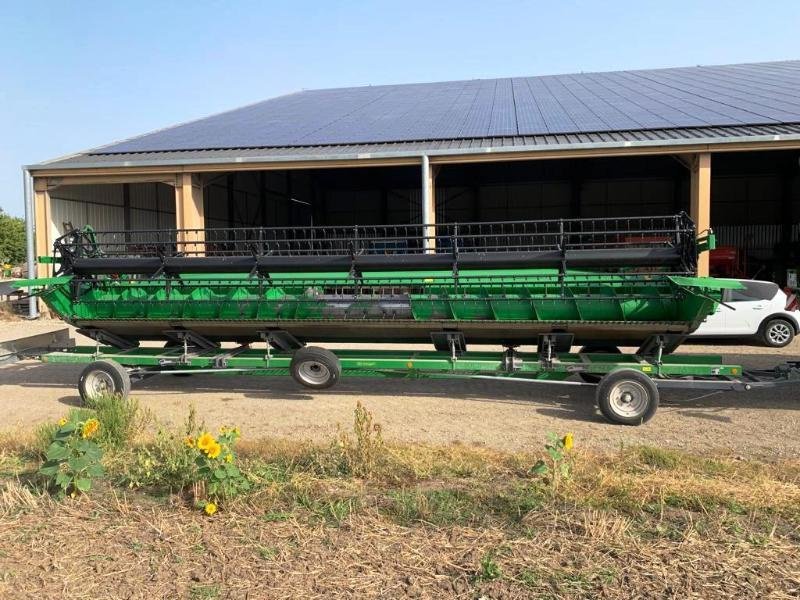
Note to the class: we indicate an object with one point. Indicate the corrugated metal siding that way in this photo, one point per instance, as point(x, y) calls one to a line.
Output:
point(79, 214)
point(102, 207)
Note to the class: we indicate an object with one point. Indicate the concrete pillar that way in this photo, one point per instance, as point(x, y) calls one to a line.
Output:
point(700, 202)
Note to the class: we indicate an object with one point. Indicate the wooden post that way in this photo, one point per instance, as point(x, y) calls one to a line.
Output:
point(43, 242)
point(42, 221)
point(700, 203)
point(429, 173)
point(190, 213)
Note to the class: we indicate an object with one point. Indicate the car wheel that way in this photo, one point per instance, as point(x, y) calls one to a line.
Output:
point(777, 333)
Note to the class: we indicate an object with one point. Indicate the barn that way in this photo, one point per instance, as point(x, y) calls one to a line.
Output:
point(719, 142)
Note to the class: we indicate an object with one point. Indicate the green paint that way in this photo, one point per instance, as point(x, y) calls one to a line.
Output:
point(482, 296)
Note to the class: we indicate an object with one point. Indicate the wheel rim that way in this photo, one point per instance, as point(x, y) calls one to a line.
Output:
point(628, 398)
point(313, 372)
point(99, 383)
point(779, 333)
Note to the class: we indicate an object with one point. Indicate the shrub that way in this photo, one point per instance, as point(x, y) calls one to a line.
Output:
point(165, 463)
point(364, 452)
point(121, 420)
point(73, 457)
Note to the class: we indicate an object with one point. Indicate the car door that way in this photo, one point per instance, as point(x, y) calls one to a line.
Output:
point(750, 305)
point(714, 324)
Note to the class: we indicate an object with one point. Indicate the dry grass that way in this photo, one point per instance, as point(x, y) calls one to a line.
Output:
point(428, 522)
point(7, 312)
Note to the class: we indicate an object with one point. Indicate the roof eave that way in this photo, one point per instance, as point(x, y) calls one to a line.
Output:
point(565, 148)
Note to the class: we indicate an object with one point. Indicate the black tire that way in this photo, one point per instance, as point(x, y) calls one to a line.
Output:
point(315, 368)
point(596, 349)
point(103, 377)
point(627, 397)
point(776, 333)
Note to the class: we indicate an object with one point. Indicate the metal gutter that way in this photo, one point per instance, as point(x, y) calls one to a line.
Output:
point(414, 154)
point(30, 247)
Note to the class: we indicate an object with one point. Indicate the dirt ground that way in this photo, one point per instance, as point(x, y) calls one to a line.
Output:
point(503, 415)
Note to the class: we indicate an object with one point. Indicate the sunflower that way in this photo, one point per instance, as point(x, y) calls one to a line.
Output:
point(205, 441)
point(90, 428)
point(62, 421)
point(228, 458)
point(214, 450)
point(188, 441)
point(568, 442)
point(210, 508)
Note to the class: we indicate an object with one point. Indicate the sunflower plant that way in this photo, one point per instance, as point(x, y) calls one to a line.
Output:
point(216, 466)
point(73, 458)
point(557, 465)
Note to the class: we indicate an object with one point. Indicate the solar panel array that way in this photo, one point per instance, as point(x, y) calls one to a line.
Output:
point(744, 94)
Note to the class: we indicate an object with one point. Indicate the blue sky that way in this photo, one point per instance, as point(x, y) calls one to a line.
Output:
point(80, 74)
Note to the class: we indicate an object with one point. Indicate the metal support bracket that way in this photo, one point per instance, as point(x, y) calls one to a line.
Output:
point(280, 339)
point(551, 344)
point(221, 360)
point(190, 338)
point(109, 339)
point(655, 346)
point(449, 341)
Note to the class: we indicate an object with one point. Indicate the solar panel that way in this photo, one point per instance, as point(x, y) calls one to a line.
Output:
point(752, 94)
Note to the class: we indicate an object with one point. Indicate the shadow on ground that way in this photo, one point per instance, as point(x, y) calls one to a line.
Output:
point(573, 403)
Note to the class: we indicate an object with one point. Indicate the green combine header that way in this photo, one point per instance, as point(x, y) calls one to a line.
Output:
point(603, 280)
point(205, 296)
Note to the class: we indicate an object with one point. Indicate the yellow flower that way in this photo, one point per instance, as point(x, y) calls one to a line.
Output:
point(214, 450)
point(62, 421)
point(568, 441)
point(229, 458)
point(90, 428)
point(210, 508)
point(188, 441)
point(205, 441)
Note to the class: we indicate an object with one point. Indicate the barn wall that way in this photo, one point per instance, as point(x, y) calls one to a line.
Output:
point(152, 206)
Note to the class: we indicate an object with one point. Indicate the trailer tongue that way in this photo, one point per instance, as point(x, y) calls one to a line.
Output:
point(596, 282)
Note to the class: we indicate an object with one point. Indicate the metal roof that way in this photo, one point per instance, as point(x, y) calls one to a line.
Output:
point(645, 107)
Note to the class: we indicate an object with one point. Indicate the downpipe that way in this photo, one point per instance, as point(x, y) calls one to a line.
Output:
point(30, 247)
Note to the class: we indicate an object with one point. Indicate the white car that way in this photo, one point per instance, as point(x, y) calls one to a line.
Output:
point(759, 310)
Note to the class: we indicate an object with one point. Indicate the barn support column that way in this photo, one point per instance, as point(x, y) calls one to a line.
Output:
point(43, 236)
point(429, 205)
point(700, 203)
point(190, 213)
point(42, 210)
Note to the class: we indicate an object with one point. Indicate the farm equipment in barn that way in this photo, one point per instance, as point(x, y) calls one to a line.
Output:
point(600, 283)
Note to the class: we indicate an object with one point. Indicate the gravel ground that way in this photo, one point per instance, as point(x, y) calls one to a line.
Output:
point(507, 416)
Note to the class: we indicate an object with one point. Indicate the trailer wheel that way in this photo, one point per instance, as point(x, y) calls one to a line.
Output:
point(103, 378)
point(628, 397)
point(315, 367)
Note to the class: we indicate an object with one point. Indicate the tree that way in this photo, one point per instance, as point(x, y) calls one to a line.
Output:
point(12, 239)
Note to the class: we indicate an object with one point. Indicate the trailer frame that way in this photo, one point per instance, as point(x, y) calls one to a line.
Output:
point(622, 378)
